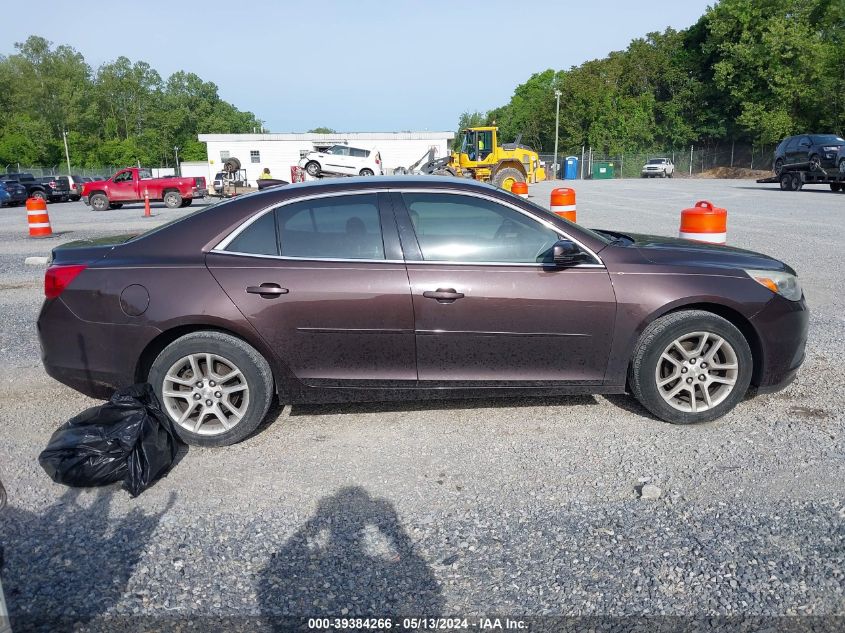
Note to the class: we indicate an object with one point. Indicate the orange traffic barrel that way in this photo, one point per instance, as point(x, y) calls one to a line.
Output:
point(563, 203)
point(39, 221)
point(520, 189)
point(704, 223)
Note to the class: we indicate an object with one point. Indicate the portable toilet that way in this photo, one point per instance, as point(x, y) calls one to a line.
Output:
point(570, 171)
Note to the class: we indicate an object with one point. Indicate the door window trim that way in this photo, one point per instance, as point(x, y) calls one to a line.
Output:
point(399, 208)
point(389, 239)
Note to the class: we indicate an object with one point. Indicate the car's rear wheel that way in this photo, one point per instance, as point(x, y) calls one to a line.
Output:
point(39, 195)
point(215, 387)
point(313, 168)
point(778, 166)
point(692, 366)
point(99, 202)
point(367, 172)
point(172, 200)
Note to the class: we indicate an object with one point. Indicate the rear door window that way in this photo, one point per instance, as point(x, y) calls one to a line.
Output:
point(338, 227)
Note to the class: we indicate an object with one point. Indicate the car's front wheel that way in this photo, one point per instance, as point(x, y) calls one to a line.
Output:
point(692, 366)
point(367, 172)
point(215, 387)
point(842, 166)
point(815, 162)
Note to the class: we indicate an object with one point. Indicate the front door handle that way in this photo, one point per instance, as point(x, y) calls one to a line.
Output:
point(267, 290)
point(443, 295)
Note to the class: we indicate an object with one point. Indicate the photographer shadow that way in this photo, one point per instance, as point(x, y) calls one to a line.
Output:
point(351, 559)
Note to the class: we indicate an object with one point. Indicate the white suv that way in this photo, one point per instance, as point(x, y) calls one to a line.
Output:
point(343, 160)
point(662, 167)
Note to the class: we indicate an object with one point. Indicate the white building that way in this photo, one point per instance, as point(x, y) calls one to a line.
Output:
point(280, 152)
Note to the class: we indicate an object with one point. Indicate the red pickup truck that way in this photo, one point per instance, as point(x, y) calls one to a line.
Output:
point(133, 184)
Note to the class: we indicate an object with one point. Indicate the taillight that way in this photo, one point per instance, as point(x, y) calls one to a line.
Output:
point(57, 278)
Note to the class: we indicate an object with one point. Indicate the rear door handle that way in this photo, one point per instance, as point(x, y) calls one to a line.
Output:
point(267, 290)
point(443, 295)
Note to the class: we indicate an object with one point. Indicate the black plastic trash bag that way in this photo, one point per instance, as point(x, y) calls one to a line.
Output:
point(128, 439)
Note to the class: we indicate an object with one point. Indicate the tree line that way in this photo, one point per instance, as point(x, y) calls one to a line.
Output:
point(750, 71)
point(121, 113)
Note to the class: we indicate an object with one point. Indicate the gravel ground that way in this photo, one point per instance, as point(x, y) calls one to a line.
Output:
point(527, 507)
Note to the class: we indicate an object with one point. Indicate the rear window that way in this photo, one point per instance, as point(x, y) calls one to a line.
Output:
point(359, 153)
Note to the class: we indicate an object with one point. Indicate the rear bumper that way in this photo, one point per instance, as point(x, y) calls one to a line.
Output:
point(92, 358)
point(783, 327)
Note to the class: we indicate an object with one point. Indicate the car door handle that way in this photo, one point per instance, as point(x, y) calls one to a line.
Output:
point(443, 295)
point(267, 290)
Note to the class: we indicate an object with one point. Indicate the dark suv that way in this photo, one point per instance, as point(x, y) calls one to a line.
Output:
point(807, 151)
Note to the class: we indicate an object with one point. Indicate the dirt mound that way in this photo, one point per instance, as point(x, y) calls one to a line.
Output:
point(733, 172)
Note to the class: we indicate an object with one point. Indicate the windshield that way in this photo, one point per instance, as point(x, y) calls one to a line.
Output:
point(656, 161)
point(828, 138)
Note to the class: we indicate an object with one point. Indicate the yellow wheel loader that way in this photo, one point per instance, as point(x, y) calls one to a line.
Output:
point(481, 157)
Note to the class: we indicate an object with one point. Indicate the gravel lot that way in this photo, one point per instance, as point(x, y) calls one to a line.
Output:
point(513, 507)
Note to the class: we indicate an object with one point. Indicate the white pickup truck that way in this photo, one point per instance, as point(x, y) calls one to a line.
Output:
point(661, 167)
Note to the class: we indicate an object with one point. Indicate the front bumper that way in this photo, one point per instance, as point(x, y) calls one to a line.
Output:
point(783, 327)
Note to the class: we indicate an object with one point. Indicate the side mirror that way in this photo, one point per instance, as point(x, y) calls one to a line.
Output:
point(566, 253)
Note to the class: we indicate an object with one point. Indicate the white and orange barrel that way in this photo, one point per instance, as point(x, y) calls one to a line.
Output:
point(563, 203)
point(704, 223)
point(520, 189)
point(36, 215)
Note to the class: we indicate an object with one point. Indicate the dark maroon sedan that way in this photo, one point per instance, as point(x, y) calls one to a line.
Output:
point(400, 288)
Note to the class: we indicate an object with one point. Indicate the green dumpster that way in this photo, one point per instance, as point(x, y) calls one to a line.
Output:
point(602, 169)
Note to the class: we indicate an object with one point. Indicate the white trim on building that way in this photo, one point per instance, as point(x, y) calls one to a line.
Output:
point(279, 152)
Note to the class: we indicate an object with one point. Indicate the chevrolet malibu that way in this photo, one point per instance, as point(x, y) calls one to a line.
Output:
point(411, 288)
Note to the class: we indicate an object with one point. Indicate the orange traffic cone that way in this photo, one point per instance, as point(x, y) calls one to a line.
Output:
point(563, 203)
point(520, 189)
point(39, 221)
point(704, 223)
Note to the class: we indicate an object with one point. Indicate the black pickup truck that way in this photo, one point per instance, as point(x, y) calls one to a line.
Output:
point(57, 188)
point(34, 187)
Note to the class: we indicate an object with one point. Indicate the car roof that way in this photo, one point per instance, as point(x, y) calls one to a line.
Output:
point(388, 182)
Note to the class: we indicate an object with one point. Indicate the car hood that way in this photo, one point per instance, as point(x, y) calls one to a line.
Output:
point(674, 251)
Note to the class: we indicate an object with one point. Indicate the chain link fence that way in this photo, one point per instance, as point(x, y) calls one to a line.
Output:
point(691, 161)
point(61, 170)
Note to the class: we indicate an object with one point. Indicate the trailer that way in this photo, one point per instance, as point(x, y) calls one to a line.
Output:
point(794, 180)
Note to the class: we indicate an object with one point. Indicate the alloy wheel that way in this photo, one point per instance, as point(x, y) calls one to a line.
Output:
point(205, 394)
point(697, 371)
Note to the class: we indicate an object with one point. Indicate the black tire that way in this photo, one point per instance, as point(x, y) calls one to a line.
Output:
point(115, 205)
point(99, 202)
point(671, 174)
point(842, 166)
point(39, 195)
point(313, 168)
point(815, 162)
point(253, 366)
point(797, 181)
point(367, 172)
point(172, 200)
point(75, 198)
point(508, 172)
point(778, 166)
point(658, 336)
point(786, 180)
point(835, 186)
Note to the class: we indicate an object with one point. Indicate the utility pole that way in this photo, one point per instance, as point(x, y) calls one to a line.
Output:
point(178, 171)
point(557, 127)
point(690, 160)
point(67, 153)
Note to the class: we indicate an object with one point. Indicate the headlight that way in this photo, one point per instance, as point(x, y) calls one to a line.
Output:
point(784, 284)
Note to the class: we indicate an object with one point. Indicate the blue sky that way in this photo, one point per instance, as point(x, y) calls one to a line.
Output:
point(354, 66)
